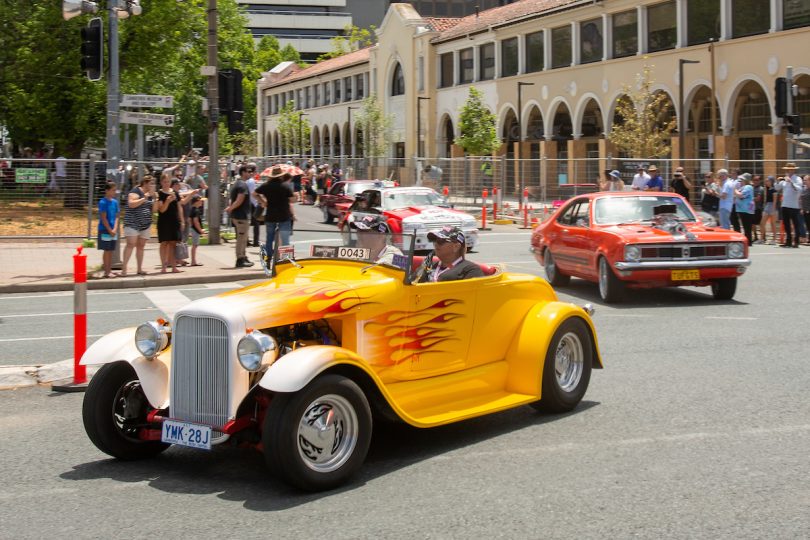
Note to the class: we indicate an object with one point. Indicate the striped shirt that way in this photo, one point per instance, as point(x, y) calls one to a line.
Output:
point(139, 218)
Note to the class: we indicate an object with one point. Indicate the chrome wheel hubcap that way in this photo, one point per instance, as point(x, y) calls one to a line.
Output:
point(568, 362)
point(327, 433)
point(549, 266)
point(603, 278)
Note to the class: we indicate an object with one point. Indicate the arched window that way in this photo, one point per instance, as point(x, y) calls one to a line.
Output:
point(398, 82)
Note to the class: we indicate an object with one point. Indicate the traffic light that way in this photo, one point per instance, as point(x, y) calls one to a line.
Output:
point(93, 49)
point(231, 103)
point(780, 97)
point(793, 124)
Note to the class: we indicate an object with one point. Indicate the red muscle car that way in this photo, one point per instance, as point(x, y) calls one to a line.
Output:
point(638, 240)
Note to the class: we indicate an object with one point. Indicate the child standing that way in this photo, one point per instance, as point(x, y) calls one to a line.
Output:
point(195, 224)
point(107, 226)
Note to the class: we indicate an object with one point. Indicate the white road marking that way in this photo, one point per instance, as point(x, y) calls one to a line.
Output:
point(734, 318)
point(44, 337)
point(167, 301)
point(223, 285)
point(71, 313)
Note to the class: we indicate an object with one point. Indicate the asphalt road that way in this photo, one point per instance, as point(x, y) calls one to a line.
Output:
point(699, 427)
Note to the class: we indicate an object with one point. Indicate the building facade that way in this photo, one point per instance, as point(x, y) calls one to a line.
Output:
point(552, 71)
point(308, 25)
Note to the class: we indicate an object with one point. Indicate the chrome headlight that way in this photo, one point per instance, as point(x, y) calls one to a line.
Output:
point(256, 350)
point(632, 253)
point(735, 250)
point(152, 337)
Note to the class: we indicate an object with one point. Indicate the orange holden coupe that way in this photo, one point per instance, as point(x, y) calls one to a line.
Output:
point(625, 240)
point(341, 334)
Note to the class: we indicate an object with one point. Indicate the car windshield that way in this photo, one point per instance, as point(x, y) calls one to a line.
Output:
point(615, 210)
point(393, 199)
point(369, 248)
point(353, 188)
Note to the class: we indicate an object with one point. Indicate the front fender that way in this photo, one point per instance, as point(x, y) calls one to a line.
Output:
point(153, 374)
point(295, 370)
point(527, 352)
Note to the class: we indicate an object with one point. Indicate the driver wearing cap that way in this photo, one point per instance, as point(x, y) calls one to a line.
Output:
point(371, 234)
point(450, 246)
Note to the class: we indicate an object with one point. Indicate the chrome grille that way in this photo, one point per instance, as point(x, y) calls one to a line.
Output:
point(683, 252)
point(200, 371)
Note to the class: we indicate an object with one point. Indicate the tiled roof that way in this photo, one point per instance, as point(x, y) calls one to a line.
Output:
point(327, 66)
point(499, 15)
point(440, 24)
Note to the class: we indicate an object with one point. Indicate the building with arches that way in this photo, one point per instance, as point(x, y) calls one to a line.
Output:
point(572, 59)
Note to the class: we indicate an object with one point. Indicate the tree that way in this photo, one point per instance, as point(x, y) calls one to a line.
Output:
point(44, 96)
point(641, 129)
point(376, 127)
point(293, 127)
point(479, 135)
point(353, 39)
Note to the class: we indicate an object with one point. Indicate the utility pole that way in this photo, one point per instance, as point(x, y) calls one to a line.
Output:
point(214, 210)
point(791, 148)
point(113, 128)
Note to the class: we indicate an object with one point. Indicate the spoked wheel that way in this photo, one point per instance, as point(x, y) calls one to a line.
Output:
point(317, 438)
point(553, 274)
point(114, 411)
point(724, 289)
point(327, 217)
point(567, 368)
point(611, 288)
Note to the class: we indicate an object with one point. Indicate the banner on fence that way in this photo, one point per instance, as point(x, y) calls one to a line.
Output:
point(31, 176)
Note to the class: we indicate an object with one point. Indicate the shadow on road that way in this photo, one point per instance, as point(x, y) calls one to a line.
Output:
point(664, 297)
point(236, 474)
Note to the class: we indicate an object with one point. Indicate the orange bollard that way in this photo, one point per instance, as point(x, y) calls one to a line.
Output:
point(328, 183)
point(484, 195)
point(525, 216)
point(79, 315)
point(79, 383)
point(495, 202)
point(446, 191)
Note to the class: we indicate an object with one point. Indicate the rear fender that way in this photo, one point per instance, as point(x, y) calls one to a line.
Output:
point(153, 373)
point(527, 352)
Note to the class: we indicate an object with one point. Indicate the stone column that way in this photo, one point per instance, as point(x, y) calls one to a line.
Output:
point(774, 148)
point(576, 166)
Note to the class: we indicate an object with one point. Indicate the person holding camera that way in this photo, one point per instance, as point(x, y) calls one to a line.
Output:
point(680, 183)
point(138, 222)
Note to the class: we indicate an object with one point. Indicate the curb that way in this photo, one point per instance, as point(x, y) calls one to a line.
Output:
point(14, 377)
point(133, 282)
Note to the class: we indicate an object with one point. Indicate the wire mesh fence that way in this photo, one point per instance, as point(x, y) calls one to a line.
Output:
point(59, 197)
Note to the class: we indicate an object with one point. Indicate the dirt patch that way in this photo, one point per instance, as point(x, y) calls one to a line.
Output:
point(43, 217)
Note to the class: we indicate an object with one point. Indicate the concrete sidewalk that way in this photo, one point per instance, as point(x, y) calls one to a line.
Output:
point(48, 266)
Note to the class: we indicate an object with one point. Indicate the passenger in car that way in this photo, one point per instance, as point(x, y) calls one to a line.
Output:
point(450, 246)
point(372, 234)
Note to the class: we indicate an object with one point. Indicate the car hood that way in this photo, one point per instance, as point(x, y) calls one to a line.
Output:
point(691, 232)
point(305, 294)
point(428, 214)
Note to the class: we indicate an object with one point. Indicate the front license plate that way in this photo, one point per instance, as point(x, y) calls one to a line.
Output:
point(685, 275)
point(185, 434)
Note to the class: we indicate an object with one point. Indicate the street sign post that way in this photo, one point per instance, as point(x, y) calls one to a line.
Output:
point(145, 101)
point(147, 119)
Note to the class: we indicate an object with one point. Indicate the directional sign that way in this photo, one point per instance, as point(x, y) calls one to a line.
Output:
point(144, 100)
point(147, 119)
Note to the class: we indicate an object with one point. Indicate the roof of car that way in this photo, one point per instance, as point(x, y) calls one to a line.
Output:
point(604, 194)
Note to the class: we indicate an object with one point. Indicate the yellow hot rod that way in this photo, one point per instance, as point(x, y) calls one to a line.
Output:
point(302, 364)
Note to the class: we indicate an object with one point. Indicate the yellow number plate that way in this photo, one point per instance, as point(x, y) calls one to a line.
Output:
point(685, 275)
